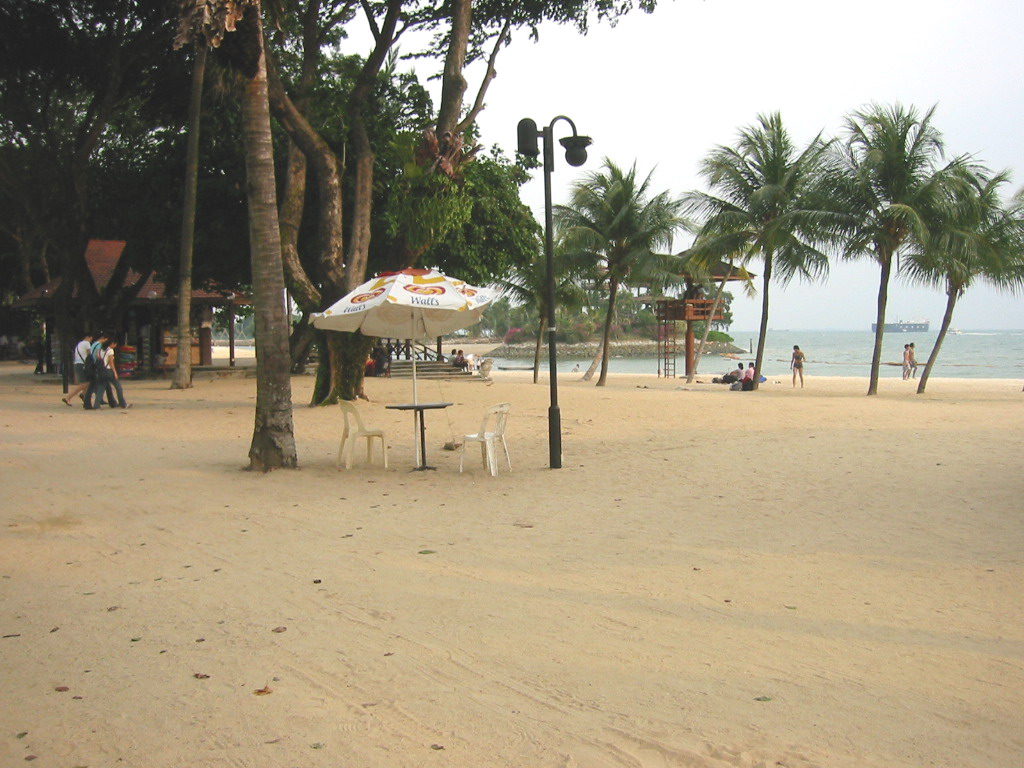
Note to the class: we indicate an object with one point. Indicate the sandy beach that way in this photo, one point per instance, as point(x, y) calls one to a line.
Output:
point(714, 579)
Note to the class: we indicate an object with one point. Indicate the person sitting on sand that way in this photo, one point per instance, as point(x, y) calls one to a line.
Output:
point(730, 377)
point(748, 378)
point(797, 364)
point(459, 361)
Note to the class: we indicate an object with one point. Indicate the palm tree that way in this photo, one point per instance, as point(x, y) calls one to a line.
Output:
point(890, 179)
point(973, 235)
point(527, 285)
point(614, 222)
point(183, 369)
point(273, 437)
point(766, 202)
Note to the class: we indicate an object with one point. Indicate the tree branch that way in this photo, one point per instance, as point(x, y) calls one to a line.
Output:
point(490, 74)
point(371, 21)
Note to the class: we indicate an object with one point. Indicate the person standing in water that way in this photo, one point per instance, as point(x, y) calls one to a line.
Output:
point(797, 364)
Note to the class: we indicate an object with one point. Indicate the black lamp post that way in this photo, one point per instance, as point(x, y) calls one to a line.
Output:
point(575, 155)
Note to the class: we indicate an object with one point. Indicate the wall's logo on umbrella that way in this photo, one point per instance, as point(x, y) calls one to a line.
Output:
point(361, 297)
point(425, 290)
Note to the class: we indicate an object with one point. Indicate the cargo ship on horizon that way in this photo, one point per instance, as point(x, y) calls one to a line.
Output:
point(903, 326)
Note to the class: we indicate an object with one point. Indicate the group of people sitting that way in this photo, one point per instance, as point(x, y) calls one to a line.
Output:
point(739, 379)
point(379, 361)
point(95, 373)
point(463, 361)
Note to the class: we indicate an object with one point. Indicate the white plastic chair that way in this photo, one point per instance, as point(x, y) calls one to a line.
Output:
point(484, 368)
point(354, 434)
point(488, 439)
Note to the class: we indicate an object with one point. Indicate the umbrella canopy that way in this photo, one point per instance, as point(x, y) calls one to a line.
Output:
point(411, 304)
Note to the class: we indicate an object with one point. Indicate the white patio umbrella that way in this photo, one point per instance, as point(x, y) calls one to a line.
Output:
point(411, 304)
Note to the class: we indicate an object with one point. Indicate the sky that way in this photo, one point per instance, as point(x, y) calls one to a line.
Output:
point(663, 89)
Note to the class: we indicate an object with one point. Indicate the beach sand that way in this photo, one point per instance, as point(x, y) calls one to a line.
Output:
point(787, 578)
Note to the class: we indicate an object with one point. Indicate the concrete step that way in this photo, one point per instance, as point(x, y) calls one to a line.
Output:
point(430, 369)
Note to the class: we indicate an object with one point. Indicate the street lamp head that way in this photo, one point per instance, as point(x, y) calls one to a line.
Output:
point(575, 149)
point(528, 134)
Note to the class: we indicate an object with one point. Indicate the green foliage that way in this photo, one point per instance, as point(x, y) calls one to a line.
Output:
point(614, 223)
point(424, 206)
point(889, 174)
point(766, 201)
point(500, 231)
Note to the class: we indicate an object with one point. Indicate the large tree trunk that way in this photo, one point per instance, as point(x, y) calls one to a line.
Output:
point(707, 328)
point(453, 82)
point(327, 178)
point(761, 337)
point(273, 437)
point(883, 297)
point(358, 254)
point(613, 290)
point(537, 348)
point(354, 348)
point(183, 369)
point(952, 294)
point(293, 198)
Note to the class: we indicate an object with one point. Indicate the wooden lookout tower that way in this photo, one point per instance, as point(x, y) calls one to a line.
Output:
point(692, 307)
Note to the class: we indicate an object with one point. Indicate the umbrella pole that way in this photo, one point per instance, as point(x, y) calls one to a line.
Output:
point(415, 414)
point(415, 393)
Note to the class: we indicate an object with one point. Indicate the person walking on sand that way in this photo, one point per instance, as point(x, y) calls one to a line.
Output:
point(98, 386)
point(82, 351)
point(797, 364)
point(906, 362)
point(912, 360)
point(109, 374)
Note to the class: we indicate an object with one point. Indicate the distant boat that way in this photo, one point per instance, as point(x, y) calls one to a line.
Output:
point(955, 332)
point(904, 326)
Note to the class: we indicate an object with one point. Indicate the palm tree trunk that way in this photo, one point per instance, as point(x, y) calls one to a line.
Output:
point(592, 368)
point(947, 318)
point(273, 437)
point(613, 289)
point(183, 369)
point(537, 348)
point(707, 327)
point(883, 297)
point(761, 337)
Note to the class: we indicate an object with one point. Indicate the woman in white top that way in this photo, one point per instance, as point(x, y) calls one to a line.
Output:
point(109, 372)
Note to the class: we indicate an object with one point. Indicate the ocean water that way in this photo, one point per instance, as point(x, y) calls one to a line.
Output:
point(971, 354)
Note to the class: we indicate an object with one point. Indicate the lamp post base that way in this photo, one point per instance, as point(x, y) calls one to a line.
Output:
point(555, 437)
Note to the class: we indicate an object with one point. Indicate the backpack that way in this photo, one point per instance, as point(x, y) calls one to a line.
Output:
point(91, 367)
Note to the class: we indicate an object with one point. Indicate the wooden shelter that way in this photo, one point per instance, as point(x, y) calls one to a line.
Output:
point(692, 307)
point(149, 309)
